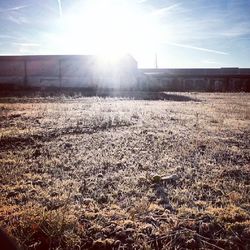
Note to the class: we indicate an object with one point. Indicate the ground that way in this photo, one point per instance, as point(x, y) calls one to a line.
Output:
point(151, 171)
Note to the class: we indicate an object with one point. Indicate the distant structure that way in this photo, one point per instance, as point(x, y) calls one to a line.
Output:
point(89, 71)
point(195, 79)
point(83, 71)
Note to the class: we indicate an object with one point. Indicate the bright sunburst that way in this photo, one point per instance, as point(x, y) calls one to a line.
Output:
point(109, 28)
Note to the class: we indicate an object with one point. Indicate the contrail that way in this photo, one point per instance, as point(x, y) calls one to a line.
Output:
point(198, 48)
point(14, 8)
point(60, 7)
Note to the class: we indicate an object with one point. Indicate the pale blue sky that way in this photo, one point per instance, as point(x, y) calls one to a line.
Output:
point(183, 33)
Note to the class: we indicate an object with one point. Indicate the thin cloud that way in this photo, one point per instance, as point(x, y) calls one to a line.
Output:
point(210, 62)
point(12, 14)
point(16, 8)
point(28, 44)
point(238, 30)
point(199, 48)
point(164, 10)
point(3, 36)
point(16, 18)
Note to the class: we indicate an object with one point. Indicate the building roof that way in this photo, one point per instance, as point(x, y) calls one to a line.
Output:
point(197, 71)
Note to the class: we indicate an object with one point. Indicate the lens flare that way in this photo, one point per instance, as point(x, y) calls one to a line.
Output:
point(109, 29)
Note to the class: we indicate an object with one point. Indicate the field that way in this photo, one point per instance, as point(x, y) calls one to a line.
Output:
point(151, 171)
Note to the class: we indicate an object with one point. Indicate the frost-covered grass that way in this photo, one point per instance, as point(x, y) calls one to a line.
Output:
point(124, 173)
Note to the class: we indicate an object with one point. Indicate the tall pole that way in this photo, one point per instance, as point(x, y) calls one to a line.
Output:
point(156, 61)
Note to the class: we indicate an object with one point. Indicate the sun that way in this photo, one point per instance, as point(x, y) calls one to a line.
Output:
point(109, 28)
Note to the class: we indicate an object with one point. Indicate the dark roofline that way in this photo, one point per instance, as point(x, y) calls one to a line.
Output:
point(41, 57)
point(50, 57)
point(169, 69)
point(202, 72)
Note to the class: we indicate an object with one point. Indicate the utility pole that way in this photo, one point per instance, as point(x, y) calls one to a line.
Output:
point(156, 61)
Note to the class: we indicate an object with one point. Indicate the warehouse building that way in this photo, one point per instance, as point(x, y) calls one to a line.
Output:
point(89, 71)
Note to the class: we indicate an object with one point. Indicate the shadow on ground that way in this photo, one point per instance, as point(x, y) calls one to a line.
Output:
point(147, 95)
point(13, 92)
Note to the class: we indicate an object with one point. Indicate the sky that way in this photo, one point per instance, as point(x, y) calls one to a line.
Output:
point(182, 33)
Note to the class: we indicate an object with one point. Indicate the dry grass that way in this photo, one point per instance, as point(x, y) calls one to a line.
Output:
point(88, 172)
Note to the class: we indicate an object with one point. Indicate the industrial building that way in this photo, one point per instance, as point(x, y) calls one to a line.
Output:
point(83, 71)
point(196, 79)
point(89, 71)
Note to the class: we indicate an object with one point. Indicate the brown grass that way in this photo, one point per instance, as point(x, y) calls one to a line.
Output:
point(88, 172)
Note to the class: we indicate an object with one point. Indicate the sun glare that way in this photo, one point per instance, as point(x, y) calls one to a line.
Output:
point(109, 29)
